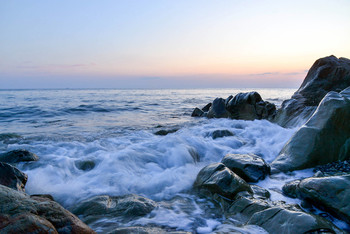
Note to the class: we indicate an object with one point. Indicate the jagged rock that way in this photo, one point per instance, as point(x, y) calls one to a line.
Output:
point(221, 133)
point(218, 179)
point(20, 212)
point(329, 193)
point(326, 74)
point(128, 207)
point(16, 156)
point(249, 167)
point(197, 112)
point(246, 106)
point(12, 177)
point(324, 138)
point(218, 109)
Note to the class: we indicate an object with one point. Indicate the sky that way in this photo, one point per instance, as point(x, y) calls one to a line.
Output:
point(167, 43)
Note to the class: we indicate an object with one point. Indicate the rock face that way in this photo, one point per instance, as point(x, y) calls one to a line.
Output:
point(276, 217)
point(218, 179)
point(329, 193)
point(24, 214)
point(324, 138)
point(326, 74)
point(16, 156)
point(12, 177)
point(128, 206)
point(246, 106)
point(249, 167)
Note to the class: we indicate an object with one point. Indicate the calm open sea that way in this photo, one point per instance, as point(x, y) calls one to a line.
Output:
point(115, 129)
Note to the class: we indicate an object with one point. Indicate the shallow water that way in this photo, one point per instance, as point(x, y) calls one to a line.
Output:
point(114, 131)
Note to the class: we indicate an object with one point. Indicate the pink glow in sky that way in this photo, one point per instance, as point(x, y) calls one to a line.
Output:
point(165, 44)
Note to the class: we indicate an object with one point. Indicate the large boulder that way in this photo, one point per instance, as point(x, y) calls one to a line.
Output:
point(129, 206)
point(249, 167)
point(324, 138)
point(218, 179)
point(12, 177)
point(329, 193)
point(21, 213)
point(246, 106)
point(326, 74)
point(16, 156)
point(276, 217)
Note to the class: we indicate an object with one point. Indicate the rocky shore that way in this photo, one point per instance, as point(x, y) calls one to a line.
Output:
point(321, 109)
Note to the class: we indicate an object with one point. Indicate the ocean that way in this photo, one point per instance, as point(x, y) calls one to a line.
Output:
point(114, 131)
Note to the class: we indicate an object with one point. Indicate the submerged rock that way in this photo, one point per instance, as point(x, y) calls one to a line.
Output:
point(22, 214)
point(218, 179)
point(128, 207)
point(328, 193)
point(249, 167)
point(326, 74)
point(85, 165)
point(221, 133)
point(145, 230)
point(324, 138)
point(12, 177)
point(165, 132)
point(16, 156)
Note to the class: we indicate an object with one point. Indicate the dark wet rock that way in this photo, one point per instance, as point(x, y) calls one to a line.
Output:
point(16, 156)
point(206, 108)
point(260, 192)
point(279, 219)
point(145, 230)
point(324, 138)
point(331, 194)
point(20, 212)
point(85, 165)
point(197, 112)
point(221, 133)
point(164, 132)
point(218, 179)
point(290, 189)
point(218, 109)
point(128, 206)
point(194, 154)
point(326, 74)
point(246, 106)
point(12, 177)
point(25, 223)
point(333, 168)
point(249, 167)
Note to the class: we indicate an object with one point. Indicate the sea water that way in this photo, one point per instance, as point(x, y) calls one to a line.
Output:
point(115, 129)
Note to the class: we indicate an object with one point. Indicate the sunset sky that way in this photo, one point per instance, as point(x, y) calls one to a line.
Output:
point(167, 44)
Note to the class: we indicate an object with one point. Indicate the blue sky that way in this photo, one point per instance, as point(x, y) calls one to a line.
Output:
point(167, 44)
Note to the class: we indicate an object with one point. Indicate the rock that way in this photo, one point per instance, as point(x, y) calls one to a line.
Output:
point(165, 132)
point(290, 219)
point(16, 156)
point(218, 109)
point(218, 179)
point(246, 106)
point(290, 189)
point(324, 138)
point(242, 106)
point(85, 165)
point(249, 167)
point(260, 192)
point(197, 112)
point(128, 206)
point(12, 177)
point(206, 108)
point(20, 212)
point(326, 74)
point(331, 194)
point(221, 133)
point(145, 230)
